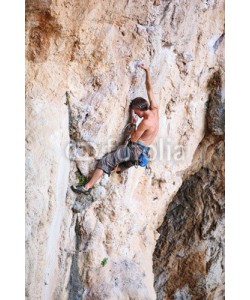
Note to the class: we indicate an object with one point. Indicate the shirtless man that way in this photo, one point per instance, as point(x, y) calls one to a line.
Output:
point(127, 155)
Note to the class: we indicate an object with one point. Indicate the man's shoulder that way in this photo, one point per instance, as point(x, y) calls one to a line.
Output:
point(146, 122)
point(154, 108)
point(154, 112)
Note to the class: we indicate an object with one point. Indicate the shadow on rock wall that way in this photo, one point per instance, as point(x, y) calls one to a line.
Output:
point(189, 255)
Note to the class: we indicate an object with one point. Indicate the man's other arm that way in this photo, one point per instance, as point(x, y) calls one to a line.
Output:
point(136, 134)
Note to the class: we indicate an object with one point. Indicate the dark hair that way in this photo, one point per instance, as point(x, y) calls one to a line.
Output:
point(139, 103)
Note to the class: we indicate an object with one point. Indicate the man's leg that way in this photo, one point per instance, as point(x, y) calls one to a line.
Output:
point(107, 164)
point(119, 157)
point(97, 175)
point(124, 166)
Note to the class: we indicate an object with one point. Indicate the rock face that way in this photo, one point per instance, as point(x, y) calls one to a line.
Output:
point(189, 255)
point(81, 75)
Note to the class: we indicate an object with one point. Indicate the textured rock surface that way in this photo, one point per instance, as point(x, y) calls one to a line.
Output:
point(189, 255)
point(85, 52)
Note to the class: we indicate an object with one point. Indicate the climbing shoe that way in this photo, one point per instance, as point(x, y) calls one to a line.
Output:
point(80, 189)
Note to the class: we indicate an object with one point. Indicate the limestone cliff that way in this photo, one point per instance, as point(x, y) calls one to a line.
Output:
point(189, 255)
point(80, 78)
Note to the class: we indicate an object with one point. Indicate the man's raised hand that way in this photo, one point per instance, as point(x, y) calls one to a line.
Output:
point(142, 66)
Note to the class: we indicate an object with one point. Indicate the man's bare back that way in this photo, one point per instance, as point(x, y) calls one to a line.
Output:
point(150, 126)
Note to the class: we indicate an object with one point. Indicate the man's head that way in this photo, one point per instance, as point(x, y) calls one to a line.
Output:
point(139, 105)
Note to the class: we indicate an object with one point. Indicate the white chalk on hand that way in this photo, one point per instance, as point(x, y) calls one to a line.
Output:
point(134, 64)
point(139, 63)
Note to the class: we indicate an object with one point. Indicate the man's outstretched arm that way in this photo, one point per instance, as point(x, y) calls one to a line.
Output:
point(153, 103)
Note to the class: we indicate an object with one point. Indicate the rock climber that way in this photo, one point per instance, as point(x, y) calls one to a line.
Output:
point(127, 156)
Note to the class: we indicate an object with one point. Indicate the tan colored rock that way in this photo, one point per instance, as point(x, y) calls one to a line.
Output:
point(89, 49)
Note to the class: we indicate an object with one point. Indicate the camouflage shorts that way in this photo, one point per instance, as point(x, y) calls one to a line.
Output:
point(125, 157)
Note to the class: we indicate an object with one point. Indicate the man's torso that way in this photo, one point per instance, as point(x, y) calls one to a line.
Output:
point(152, 127)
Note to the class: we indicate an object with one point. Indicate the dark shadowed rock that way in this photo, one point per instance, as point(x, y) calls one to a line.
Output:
point(189, 255)
point(216, 112)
